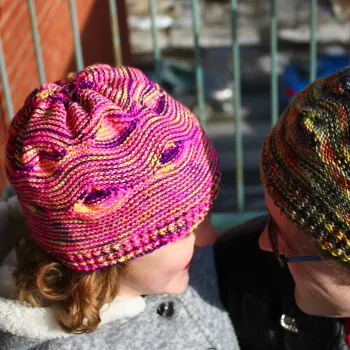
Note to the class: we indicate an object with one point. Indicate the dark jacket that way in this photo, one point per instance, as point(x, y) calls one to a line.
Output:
point(259, 296)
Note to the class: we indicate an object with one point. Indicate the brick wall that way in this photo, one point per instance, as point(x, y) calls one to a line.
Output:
point(57, 44)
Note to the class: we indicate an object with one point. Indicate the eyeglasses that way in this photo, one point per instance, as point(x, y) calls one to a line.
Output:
point(272, 230)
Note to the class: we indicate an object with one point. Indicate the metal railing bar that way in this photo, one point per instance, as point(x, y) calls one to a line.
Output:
point(155, 37)
point(113, 12)
point(198, 63)
point(76, 35)
point(5, 84)
point(273, 60)
point(313, 40)
point(237, 109)
point(36, 39)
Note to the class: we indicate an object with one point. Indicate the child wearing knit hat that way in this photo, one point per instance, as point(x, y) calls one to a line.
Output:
point(115, 179)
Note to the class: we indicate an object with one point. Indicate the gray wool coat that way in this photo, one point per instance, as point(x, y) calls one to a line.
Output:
point(193, 320)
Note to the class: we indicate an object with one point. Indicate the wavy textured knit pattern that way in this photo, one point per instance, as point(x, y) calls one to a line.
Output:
point(108, 167)
point(305, 162)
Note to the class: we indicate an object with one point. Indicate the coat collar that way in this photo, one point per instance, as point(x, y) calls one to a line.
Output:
point(23, 320)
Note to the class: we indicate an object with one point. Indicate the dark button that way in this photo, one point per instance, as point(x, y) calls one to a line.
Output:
point(166, 310)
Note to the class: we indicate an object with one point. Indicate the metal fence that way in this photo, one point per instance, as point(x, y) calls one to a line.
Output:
point(221, 220)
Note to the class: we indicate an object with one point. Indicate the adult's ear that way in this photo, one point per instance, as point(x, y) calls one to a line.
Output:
point(256, 224)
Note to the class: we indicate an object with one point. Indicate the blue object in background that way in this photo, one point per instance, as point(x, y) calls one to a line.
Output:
point(296, 76)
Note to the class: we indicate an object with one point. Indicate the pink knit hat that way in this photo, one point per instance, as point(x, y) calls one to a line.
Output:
point(108, 167)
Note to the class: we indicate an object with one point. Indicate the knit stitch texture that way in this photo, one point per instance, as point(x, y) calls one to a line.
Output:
point(305, 163)
point(108, 167)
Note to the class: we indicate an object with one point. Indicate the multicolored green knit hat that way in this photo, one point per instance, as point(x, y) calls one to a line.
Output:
point(305, 162)
point(108, 167)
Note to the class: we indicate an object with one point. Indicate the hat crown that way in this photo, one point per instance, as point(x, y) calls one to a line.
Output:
point(107, 166)
point(308, 152)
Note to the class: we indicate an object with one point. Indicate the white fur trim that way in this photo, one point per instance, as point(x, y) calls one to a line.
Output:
point(23, 320)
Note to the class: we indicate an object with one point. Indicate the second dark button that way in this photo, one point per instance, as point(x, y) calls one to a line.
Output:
point(166, 309)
